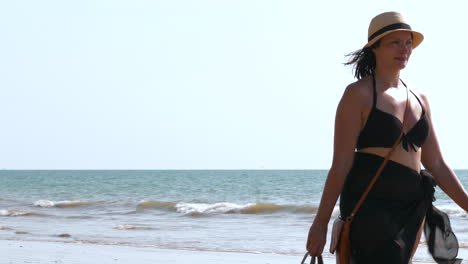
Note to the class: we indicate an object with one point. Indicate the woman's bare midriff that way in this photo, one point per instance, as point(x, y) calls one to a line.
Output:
point(409, 159)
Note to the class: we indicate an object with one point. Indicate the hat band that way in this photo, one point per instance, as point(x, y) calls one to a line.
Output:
point(388, 28)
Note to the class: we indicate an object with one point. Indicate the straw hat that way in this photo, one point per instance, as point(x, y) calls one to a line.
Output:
point(389, 22)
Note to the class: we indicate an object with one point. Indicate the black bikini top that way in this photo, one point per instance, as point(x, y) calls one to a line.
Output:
point(382, 129)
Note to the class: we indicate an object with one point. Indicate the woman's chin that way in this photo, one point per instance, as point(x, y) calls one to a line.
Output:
point(401, 66)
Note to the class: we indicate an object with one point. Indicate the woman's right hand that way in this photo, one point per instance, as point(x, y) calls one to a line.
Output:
point(316, 239)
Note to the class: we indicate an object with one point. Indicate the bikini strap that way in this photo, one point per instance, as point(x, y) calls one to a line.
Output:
point(403, 83)
point(419, 101)
point(417, 98)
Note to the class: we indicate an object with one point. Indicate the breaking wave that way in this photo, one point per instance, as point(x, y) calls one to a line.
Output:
point(132, 227)
point(18, 213)
point(155, 204)
point(225, 208)
point(453, 210)
point(60, 204)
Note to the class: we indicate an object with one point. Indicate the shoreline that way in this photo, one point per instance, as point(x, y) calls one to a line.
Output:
point(42, 252)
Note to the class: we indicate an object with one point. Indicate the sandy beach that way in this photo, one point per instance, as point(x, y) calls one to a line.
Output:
point(50, 252)
point(39, 252)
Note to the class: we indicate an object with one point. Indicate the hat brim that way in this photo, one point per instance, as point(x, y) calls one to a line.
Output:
point(417, 37)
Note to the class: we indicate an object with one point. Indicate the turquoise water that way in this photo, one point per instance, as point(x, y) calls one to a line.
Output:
point(227, 210)
point(294, 187)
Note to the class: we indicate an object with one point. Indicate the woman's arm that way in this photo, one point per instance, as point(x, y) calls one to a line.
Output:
point(431, 158)
point(347, 127)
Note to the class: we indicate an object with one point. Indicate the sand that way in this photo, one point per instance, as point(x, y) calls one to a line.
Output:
point(42, 252)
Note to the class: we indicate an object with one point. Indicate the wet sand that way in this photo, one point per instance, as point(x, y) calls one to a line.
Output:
point(38, 252)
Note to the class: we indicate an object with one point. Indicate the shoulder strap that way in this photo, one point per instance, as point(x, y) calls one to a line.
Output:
point(417, 98)
point(379, 171)
point(419, 101)
point(403, 83)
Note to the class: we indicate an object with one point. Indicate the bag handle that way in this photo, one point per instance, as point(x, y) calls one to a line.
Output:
point(312, 259)
point(379, 171)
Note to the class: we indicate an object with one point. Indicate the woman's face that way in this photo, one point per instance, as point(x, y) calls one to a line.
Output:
point(394, 50)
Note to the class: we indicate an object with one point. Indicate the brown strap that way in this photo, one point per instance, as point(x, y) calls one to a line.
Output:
point(377, 174)
point(312, 259)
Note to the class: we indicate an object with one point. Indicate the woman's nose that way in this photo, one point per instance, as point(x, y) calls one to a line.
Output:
point(406, 48)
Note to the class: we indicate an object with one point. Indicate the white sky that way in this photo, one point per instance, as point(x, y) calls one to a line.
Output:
point(205, 84)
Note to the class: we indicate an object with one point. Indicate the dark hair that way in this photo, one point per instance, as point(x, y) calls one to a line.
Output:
point(363, 61)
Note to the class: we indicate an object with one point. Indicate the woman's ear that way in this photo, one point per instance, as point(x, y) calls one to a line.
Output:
point(376, 45)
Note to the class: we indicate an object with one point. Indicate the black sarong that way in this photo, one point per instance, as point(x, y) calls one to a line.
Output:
point(384, 229)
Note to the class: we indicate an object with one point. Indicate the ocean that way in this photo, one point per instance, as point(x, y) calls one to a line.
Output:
point(258, 211)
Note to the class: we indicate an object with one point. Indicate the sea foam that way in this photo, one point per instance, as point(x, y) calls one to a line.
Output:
point(233, 208)
point(453, 210)
point(60, 204)
point(193, 208)
point(132, 227)
point(17, 213)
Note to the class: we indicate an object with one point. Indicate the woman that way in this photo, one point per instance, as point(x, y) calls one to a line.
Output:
point(388, 226)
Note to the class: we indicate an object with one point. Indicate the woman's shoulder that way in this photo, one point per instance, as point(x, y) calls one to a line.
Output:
point(360, 91)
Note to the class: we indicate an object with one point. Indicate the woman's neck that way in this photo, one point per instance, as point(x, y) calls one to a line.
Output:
point(387, 79)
